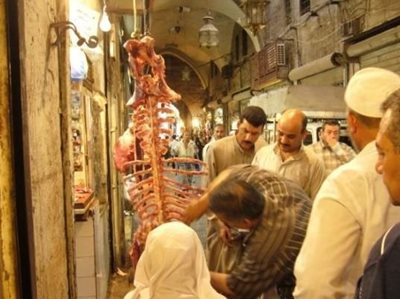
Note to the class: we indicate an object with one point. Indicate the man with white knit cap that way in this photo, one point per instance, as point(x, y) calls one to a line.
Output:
point(352, 209)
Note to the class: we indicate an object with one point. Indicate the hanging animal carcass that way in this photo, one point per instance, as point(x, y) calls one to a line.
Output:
point(153, 185)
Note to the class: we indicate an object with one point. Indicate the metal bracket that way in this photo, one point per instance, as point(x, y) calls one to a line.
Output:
point(61, 27)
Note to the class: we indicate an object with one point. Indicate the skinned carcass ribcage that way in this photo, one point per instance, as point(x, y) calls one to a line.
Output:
point(153, 183)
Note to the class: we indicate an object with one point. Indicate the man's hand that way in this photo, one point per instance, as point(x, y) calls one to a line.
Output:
point(219, 281)
point(190, 214)
point(196, 209)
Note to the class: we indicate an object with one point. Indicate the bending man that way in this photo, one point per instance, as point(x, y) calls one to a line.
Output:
point(262, 223)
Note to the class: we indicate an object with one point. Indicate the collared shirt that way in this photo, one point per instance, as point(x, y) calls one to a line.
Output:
point(205, 148)
point(226, 152)
point(173, 146)
point(188, 151)
point(304, 168)
point(264, 258)
point(340, 154)
point(351, 211)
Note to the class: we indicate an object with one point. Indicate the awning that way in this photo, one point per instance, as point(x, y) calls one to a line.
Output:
point(323, 64)
point(321, 101)
point(375, 42)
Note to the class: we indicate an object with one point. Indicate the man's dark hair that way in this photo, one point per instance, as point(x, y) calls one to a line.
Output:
point(330, 122)
point(254, 115)
point(236, 199)
point(393, 129)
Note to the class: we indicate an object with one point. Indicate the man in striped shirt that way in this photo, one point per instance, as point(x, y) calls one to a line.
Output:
point(262, 223)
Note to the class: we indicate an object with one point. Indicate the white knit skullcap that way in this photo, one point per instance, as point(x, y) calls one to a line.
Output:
point(369, 88)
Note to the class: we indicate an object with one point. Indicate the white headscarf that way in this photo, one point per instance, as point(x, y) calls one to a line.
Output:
point(173, 266)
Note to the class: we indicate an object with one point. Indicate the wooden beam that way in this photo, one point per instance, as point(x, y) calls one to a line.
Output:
point(122, 10)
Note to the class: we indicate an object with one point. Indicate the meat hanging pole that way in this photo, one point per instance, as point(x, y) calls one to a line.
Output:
point(152, 182)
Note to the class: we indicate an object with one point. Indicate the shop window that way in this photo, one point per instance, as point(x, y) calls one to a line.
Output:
point(304, 6)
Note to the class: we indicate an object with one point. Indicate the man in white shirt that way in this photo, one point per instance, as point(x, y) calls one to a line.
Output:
point(352, 209)
point(219, 132)
point(288, 156)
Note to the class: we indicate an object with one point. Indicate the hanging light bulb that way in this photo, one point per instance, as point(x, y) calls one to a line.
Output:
point(105, 24)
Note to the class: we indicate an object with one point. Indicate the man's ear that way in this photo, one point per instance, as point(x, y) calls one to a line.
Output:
point(351, 123)
point(305, 133)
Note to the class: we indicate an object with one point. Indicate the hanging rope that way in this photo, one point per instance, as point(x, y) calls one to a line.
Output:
point(145, 15)
point(134, 32)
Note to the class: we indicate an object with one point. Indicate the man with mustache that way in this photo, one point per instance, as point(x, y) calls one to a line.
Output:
point(239, 148)
point(289, 158)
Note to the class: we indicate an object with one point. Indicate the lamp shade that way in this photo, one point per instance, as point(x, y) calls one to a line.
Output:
point(256, 11)
point(208, 33)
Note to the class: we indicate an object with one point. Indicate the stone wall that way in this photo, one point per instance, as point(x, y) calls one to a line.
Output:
point(43, 135)
point(321, 31)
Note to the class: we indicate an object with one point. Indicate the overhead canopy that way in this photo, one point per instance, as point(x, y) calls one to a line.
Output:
point(323, 64)
point(316, 101)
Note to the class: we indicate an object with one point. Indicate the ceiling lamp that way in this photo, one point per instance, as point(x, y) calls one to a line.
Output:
point(256, 12)
point(208, 33)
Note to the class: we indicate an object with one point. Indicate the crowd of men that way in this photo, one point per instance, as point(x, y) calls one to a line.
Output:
point(292, 221)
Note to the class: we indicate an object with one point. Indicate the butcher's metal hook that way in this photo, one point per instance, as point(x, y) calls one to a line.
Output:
point(61, 27)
